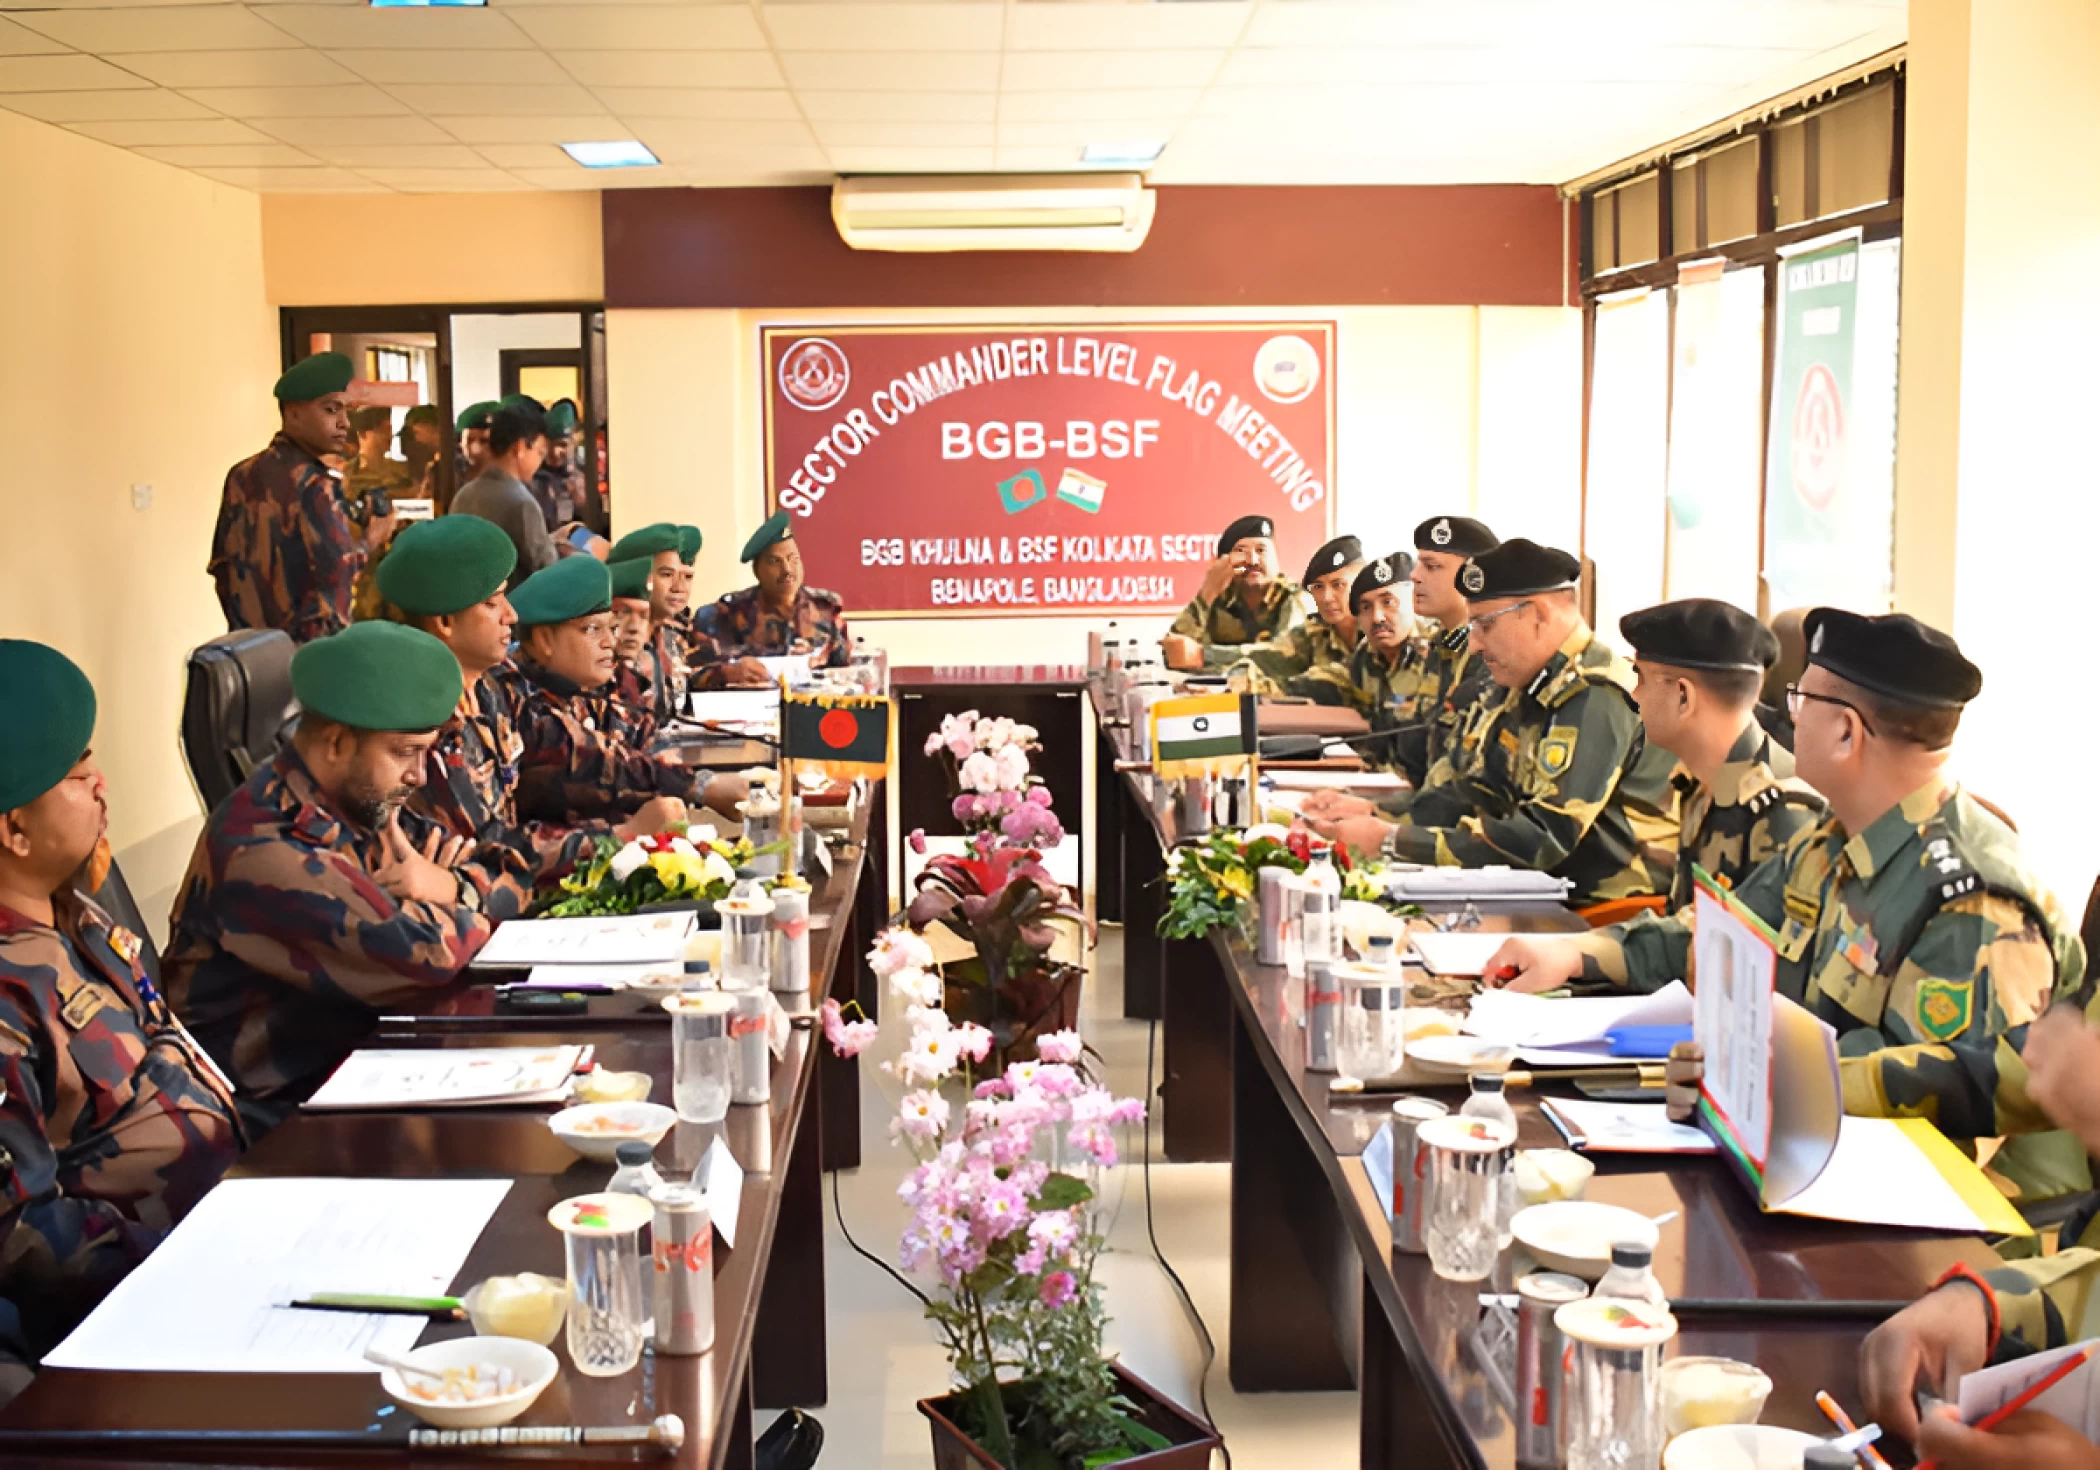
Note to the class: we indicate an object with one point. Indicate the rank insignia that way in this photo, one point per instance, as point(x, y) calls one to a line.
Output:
point(80, 1007)
point(1943, 1008)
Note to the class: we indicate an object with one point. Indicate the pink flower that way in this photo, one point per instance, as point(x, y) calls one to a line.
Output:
point(1001, 1210)
point(1031, 1260)
point(1096, 1139)
point(922, 1115)
point(993, 1087)
point(1059, 1289)
point(1039, 795)
point(847, 1038)
point(917, 840)
point(1010, 1145)
point(1055, 1231)
point(1057, 1079)
point(1058, 1046)
point(979, 773)
point(973, 1041)
point(964, 808)
point(899, 949)
point(933, 742)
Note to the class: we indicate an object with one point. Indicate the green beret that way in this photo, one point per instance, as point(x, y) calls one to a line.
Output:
point(574, 587)
point(475, 416)
point(378, 676)
point(520, 400)
point(561, 419)
point(648, 541)
point(445, 565)
point(630, 578)
point(51, 716)
point(688, 543)
point(774, 528)
point(317, 377)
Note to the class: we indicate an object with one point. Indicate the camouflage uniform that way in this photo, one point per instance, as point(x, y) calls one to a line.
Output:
point(629, 705)
point(1228, 628)
point(553, 489)
point(285, 948)
point(1311, 660)
point(664, 666)
point(1926, 941)
point(112, 1125)
point(1551, 777)
point(2046, 1303)
point(1458, 683)
point(391, 475)
point(284, 553)
point(573, 768)
point(1389, 692)
point(743, 627)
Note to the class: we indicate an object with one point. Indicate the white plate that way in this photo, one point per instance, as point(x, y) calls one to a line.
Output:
point(1576, 1235)
point(1738, 1447)
point(533, 1364)
point(643, 1122)
point(1456, 1054)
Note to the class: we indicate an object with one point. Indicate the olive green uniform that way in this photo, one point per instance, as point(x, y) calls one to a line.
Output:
point(1228, 628)
point(1389, 691)
point(1554, 776)
point(1453, 685)
point(2046, 1303)
point(1310, 661)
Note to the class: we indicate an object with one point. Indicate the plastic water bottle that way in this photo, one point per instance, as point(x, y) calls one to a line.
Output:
point(1381, 953)
point(1631, 1275)
point(1488, 1101)
point(637, 1174)
point(747, 935)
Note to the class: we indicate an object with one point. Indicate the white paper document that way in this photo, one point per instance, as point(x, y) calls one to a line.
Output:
point(1732, 1020)
point(1623, 1128)
point(252, 1245)
point(1573, 1023)
point(2074, 1398)
point(1879, 1177)
point(611, 939)
point(795, 666)
point(745, 711)
point(1454, 953)
point(1332, 780)
point(450, 1077)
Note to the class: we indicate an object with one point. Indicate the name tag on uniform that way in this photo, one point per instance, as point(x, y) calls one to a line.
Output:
point(78, 1008)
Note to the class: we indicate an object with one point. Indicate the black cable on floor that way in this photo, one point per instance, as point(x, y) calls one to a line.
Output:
point(838, 1212)
point(1210, 1347)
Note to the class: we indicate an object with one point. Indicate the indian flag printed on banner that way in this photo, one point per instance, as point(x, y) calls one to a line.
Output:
point(1202, 734)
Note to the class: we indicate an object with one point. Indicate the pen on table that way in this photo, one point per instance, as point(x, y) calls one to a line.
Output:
point(1843, 1421)
point(436, 1308)
point(2025, 1397)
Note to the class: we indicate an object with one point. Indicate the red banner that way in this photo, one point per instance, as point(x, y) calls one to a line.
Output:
point(1035, 470)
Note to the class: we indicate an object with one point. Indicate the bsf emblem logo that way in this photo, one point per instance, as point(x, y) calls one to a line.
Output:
point(814, 374)
point(1382, 573)
point(1472, 578)
point(1440, 533)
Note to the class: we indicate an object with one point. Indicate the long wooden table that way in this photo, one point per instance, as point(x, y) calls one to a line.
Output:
point(1319, 1298)
point(769, 1349)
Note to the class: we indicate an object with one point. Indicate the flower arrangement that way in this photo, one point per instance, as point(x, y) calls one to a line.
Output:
point(988, 772)
point(1211, 883)
point(1000, 1247)
point(670, 867)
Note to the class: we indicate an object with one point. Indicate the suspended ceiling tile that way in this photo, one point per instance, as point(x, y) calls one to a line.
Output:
point(76, 107)
point(68, 73)
point(569, 174)
point(191, 70)
point(643, 27)
point(899, 106)
point(1110, 27)
point(695, 102)
point(578, 127)
point(484, 99)
point(399, 155)
point(356, 99)
point(441, 180)
point(511, 156)
point(20, 40)
point(712, 160)
point(518, 68)
point(886, 27)
point(728, 69)
point(333, 27)
point(905, 135)
point(913, 160)
point(315, 180)
point(228, 155)
point(660, 133)
point(171, 132)
point(1095, 71)
point(326, 132)
point(160, 28)
point(1092, 106)
point(1076, 135)
point(892, 71)
point(1039, 159)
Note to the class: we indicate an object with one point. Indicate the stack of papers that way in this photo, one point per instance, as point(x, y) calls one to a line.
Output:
point(451, 1077)
point(740, 711)
point(1623, 1128)
point(1456, 885)
point(1454, 953)
point(1905, 1172)
point(2073, 1396)
point(1563, 1032)
point(611, 939)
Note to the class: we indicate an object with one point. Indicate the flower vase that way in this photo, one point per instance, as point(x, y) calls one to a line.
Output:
point(1190, 1439)
point(1033, 1001)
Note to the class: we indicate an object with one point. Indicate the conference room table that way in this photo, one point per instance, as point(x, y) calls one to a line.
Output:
point(1319, 1297)
point(769, 1348)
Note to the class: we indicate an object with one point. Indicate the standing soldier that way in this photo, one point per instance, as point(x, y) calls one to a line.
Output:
point(558, 482)
point(422, 443)
point(1312, 659)
point(371, 468)
point(285, 553)
point(1242, 602)
point(113, 1123)
point(472, 426)
point(777, 617)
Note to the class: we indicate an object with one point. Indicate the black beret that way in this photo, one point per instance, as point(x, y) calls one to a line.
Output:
point(1517, 569)
point(378, 676)
point(314, 377)
point(1894, 655)
point(1243, 528)
point(1387, 571)
point(1455, 536)
point(443, 566)
point(648, 541)
point(574, 587)
point(630, 578)
point(51, 717)
point(1331, 558)
point(1700, 633)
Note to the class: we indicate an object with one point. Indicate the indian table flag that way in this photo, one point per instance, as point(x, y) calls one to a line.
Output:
point(842, 735)
point(1203, 734)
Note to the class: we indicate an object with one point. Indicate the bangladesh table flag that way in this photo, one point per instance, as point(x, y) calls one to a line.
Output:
point(842, 735)
point(1204, 734)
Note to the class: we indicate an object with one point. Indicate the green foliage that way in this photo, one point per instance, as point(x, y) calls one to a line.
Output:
point(1061, 1192)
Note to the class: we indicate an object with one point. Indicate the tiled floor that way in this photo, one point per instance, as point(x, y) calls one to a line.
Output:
point(884, 1358)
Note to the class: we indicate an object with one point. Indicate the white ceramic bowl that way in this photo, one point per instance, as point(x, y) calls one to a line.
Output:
point(1576, 1235)
point(1738, 1447)
point(1455, 1055)
point(534, 1365)
point(596, 1130)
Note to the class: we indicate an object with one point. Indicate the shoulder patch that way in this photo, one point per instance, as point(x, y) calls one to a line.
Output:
point(1943, 1008)
point(1557, 750)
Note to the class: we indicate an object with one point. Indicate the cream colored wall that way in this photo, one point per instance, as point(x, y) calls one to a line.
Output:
point(1438, 408)
point(388, 249)
point(138, 351)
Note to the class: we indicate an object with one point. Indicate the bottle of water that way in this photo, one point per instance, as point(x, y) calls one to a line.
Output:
point(1631, 1275)
point(1321, 873)
point(699, 975)
point(747, 935)
point(637, 1174)
point(1381, 953)
point(1488, 1101)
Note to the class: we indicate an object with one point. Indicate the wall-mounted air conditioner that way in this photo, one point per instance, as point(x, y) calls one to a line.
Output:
point(994, 212)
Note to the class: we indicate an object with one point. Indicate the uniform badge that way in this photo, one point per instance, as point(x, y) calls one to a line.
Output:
point(1943, 1008)
point(126, 944)
point(1472, 578)
point(1382, 571)
point(80, 1007)
point(1440, 533)
point(1557, 750)
point(1338, 557)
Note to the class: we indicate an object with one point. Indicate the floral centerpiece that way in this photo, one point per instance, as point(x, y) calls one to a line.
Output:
point(1001, 1242)
point(1211, 883)
point(669, 867)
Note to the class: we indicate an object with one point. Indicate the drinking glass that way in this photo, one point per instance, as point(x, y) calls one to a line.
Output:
point(1466, 1161)
point(703, 1054)
point(1373, 1039)
point(747, 941)
point(608, 1318)
point(1614, 1389)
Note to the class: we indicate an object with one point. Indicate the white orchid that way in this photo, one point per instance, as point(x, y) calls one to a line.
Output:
point(627, 861)
point(979, 773)
point(931, 1056)
point(680, 845)
point(916, 987)
point(898, 949)
point(1010, 764)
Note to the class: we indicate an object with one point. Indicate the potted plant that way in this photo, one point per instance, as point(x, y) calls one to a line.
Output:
point(669, 869)
point(1002, 1240)
point(1211, 883)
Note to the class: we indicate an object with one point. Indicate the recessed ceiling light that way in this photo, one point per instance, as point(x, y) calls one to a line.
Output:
point(420, 4)
point(624, 154)
point(1125, 155)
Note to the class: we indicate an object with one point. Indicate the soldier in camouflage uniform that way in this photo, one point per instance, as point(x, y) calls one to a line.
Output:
point(1242, 602)
point(553, 484)
point(314, 903)
point(371, 468)
point(285, 553)
point(113, 1122)
point(1389, 667)
point(777, 617)
point(630, 700)
point(1549, 777)
point(1700, 665)
point(670, 586)
point(1312, 659)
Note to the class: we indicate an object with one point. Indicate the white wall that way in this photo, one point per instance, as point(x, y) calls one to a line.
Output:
point(477, 341)
point(1439, 408)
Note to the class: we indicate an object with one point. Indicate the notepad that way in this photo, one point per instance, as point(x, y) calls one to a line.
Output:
point(609, 939)
point(450, 1077)
point(2075, 1398)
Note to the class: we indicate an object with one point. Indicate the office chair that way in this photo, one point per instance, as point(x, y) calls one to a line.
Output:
point(236, 708)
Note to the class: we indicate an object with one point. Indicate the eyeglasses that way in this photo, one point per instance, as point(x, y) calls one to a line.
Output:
point(1475, 626)
point(1795, 695)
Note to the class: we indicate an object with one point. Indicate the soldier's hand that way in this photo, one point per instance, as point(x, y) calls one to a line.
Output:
point(409, 875)
point(1682, 1074)
point(657, 814)
point(2028, 1440)
point(1181, 651)
point(1529, 965)
point(1938, 1338)
point(723, 792)
point(746, 673)
point(380, 529)
point(1330, 804)
point(444, 851)
point(1364, 836)
point(1217, 577)
point(2063, 1072)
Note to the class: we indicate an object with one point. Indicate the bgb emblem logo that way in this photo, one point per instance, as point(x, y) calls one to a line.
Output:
point(814, 374)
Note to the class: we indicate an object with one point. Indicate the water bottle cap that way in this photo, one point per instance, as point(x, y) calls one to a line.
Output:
point(1631, 1253)
point(1487, 1081)
point(634, 1153)
point(697, 967)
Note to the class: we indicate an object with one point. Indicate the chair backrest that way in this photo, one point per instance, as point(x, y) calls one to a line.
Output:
point(115, 898)
point(2089, 931)
point(236, 708)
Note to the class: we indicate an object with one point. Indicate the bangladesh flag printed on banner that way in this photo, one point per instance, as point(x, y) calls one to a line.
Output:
point(1807, 460)
point(1202, 735)
point(842, 735)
